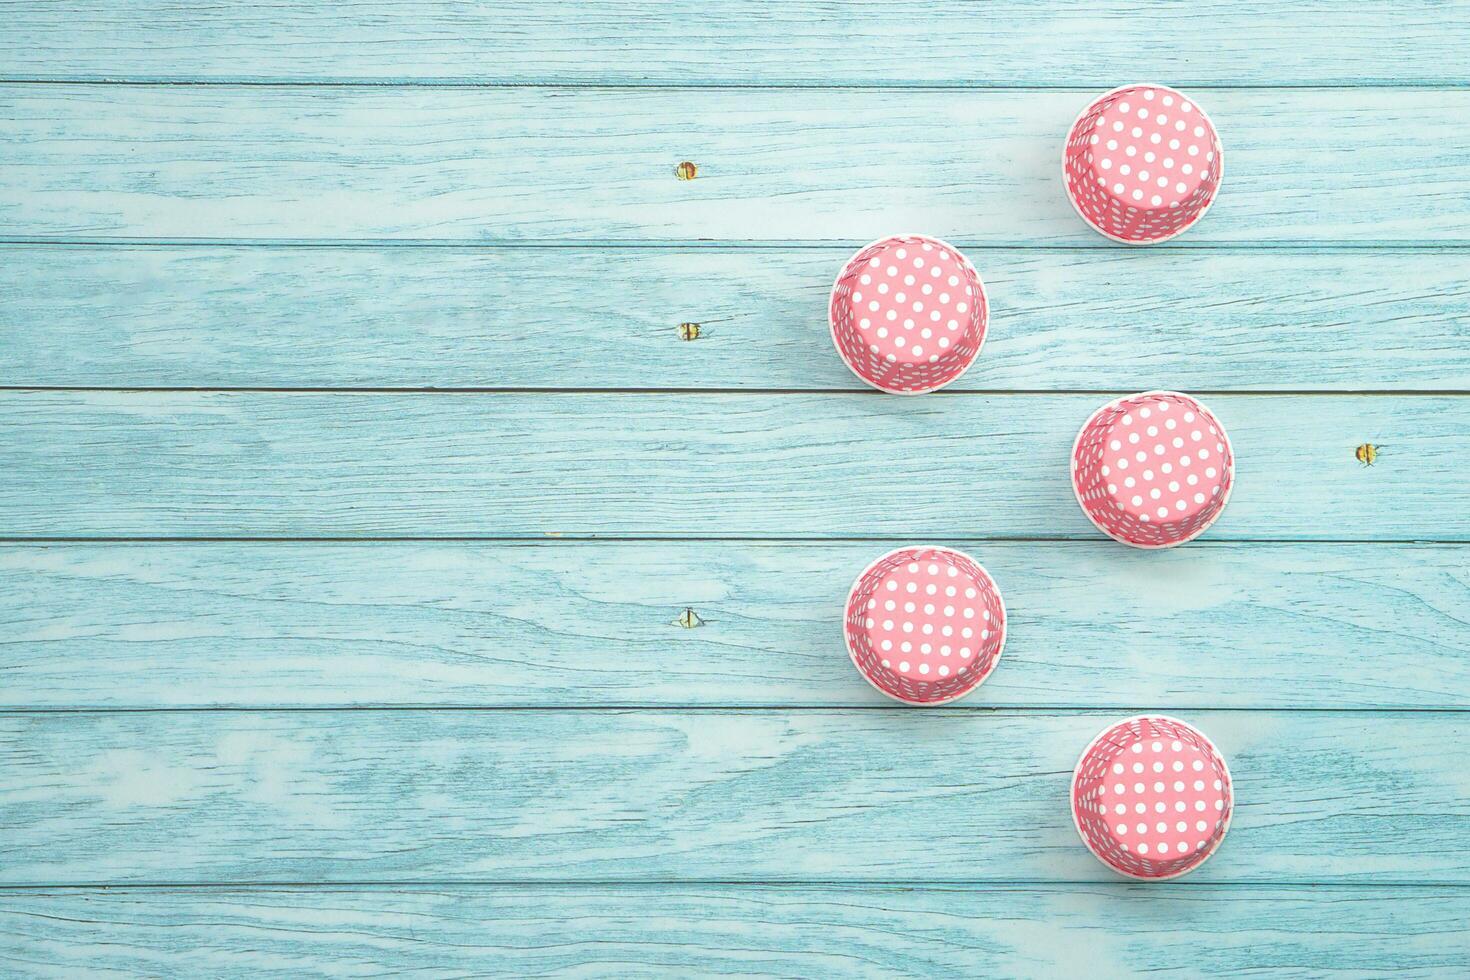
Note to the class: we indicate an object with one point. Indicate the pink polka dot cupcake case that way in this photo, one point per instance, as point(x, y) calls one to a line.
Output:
point(1142, 164)
point(908, 314)
point(925, 625)
point(1152, 797)
point(1153, 470)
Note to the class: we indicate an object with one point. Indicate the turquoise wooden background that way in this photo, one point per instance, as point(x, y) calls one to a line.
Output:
point(355, 475)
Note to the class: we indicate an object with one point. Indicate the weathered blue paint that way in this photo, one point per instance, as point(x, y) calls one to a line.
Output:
point(597, 624)
point(1092, 930)
point(1023, 43)
point(1313, 319)
point(120, 163)
point(515, 760)
point(797, 795)
point(313, 464)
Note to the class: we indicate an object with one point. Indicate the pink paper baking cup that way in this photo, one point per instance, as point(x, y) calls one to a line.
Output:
point(908, 314)
point(1142, 164)
point(925, 625)
point(1153, 470)
point(1151, 797)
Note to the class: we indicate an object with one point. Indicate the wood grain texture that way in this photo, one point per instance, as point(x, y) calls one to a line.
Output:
point(1102, 930)
point(593, 624)
point(1019, 42)
point(503, 756)
point(890, 794)
point(109, 163)
point(525, 465)
point(505, 317)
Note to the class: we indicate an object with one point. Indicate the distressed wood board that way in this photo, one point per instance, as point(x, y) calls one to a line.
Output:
point(386, 585)
point(123, 163)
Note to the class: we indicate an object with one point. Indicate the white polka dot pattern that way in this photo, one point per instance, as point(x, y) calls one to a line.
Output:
point(1142, 164)
point(908, 314)
point(1153, 470)
point(925, 625)
point(1151, 797)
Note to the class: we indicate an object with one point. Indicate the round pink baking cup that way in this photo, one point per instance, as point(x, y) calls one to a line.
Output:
point(1142, 164)
point(1153, 470)
point(908, 314)
point(925, 625)
point(1151, 797)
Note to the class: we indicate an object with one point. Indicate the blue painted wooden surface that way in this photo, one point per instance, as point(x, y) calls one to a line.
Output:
point(543, 166)
point(356, 478)
point(471, 317)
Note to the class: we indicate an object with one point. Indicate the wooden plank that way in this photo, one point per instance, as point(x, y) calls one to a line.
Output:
point(567, 623)
point(263, 464)
point(110, 163)
point(1019, 42)
point(452, 317)
point(1102, 930)
point(499, 796)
